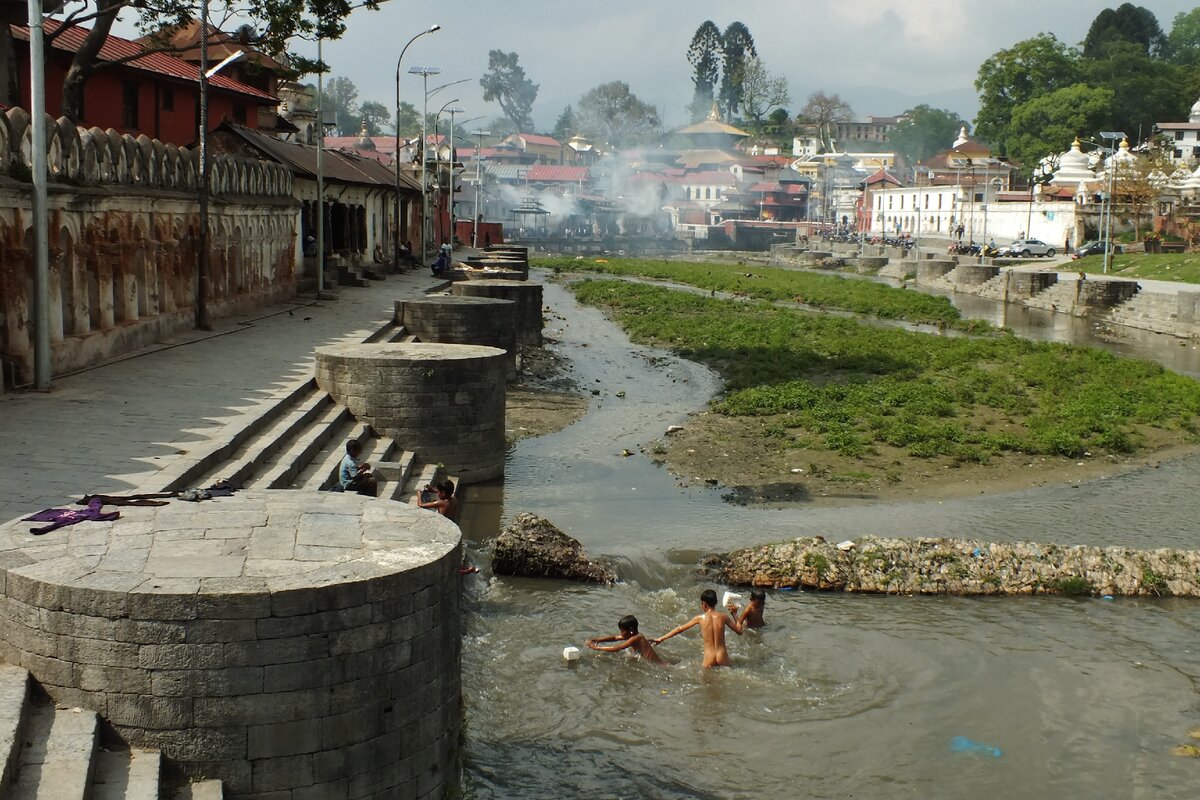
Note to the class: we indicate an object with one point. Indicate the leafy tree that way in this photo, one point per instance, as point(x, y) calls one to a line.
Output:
point(1126, 23)
point(1138, 183)
point(564, 126)
point(1145, 90)
point(377, 116)
point(1048, 123)
point(410, 118)
point(611, 113)
point(737, 45)
point(925, 132)
point(268, 26)
point(1018, 74)
point(762, 91)
point(341, 97)
point(501, 127)
point(825, 111)
point(1183, 42)
point(704, 54)
point(505, 82)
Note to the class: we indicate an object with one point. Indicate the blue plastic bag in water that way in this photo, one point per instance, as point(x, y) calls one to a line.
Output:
point(961, 744)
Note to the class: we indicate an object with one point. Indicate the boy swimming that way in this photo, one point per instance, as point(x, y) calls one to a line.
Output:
point(628, 637)
point(752, 614)
point(712, 624)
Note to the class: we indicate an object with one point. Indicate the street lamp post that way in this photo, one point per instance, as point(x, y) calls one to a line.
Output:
point(478, 186)
point(437, 159)
point(396, 155)
point(1112, 136)
point(424, 72)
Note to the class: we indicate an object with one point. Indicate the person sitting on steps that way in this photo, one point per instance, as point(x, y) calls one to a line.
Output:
point(356, 476)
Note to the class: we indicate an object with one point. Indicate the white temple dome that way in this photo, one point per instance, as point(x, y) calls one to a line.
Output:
point(1073, 167)
point(1195, 115)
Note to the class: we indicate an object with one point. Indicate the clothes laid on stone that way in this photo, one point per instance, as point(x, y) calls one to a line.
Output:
point(149, 499)
point(62, 517)
point(194, 495)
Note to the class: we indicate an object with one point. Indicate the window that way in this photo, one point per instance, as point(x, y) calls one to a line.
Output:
point(939, 202)
point(1179, 136)
point(168, 95)
point(889, 203)
point(979, 197)
point(239, 113)
point(1178, 153)
point(129, 96)
point(1196, 152)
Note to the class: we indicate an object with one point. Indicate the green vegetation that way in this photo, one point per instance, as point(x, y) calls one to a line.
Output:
point(821, 291)
point(854, 388)
point(1182, 267)
point(1154, 582)
point(1075, 586)
point(818, 562)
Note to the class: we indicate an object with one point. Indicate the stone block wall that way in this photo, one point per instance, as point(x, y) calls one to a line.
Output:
point(975, 274)
point(487, 321)
point(527, 296)
point(443, 401)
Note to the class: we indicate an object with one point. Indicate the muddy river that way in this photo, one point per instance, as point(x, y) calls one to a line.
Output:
point(840, 696)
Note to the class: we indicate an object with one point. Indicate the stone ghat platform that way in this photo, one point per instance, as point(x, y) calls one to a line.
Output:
point(284, 642)
point(961, 567)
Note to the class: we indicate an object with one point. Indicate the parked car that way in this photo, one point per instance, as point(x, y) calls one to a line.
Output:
point(1095, 247)
point(1028, 247)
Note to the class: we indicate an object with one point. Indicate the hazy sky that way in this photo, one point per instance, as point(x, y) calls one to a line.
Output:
point(881, 56)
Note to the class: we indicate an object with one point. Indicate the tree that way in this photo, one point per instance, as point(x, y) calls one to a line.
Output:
point(825, 111)
point(505, 82)
point(564, 126)
point(924, 132)
point(1016, 75)
point(762, 91)
point(704, 54)
point(1048, 123)
point(1138, 182)
point(410, 118)
point(1183, 42)
point(1145, 90)
point(611, 113)
point(377, 116)
point(268, 26)
point(737, 45)
point(341, 97)
point(1126, 23)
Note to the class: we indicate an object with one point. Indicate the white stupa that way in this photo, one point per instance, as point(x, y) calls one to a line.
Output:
point(1073, 168)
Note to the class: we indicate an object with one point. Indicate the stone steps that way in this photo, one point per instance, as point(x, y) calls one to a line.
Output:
point(51, 752)
point(1153, 312)
point(284, 468)
point(994, 288)
point(1061, 297)
point(322, 471)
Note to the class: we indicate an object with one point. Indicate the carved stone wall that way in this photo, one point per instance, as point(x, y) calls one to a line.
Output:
point(124, 219)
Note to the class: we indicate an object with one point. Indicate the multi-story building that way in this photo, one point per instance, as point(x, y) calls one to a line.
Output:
point(1183, 138)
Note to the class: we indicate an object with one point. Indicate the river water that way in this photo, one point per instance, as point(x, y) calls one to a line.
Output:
point(841, 695)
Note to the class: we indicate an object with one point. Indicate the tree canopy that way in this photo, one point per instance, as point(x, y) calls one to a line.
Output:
point(704, 54)
point(506, 84)
point(611, 113)
point(825, 111)
point(925, 131)
point(1126, 23)
point(1183, 42)
point(737, 46)
point(564, 126)
point(762, 91)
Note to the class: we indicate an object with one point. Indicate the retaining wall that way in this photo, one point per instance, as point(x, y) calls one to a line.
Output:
point(487, 321)
point(528, 299)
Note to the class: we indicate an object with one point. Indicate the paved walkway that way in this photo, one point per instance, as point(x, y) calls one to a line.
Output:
point(109, 428)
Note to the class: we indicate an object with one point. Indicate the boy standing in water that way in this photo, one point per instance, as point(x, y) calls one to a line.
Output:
point(752, 615)
point(712, 624)
point(628, 637)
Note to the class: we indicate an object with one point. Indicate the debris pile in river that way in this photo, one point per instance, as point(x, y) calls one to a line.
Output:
point(961, 567)
point(533, 547)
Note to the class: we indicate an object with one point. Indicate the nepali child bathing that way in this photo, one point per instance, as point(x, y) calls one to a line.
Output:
point(752, 614)
point(444, 503)
point(356, 476)
point(628, 638)
point(712, 624)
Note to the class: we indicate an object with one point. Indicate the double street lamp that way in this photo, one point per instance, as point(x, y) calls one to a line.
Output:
point(424, 72)
point(1114, 137)
point(396, 155)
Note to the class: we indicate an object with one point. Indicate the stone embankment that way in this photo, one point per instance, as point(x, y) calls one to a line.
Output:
point(961, 567)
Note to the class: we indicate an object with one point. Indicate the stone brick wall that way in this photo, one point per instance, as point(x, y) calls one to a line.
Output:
point(442, 401)
point(527, 296)
point(318, 657)
point(487, 321)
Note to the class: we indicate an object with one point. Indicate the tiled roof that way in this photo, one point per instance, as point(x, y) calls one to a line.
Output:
point(797, 188)
point(711, 126)
point(383, 144)
point(538, 139)
point(186, 41)
point(550, 172)
point(337, 165)
point(882, 176)
point(506, 172)
point(765, 186)
point(705, 157)
point(711, 178)
point(115, 48)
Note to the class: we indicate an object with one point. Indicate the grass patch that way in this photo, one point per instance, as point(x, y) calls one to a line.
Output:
point(847, 387)
point(765, 283)
point(1182, 267)
point(1074, 586)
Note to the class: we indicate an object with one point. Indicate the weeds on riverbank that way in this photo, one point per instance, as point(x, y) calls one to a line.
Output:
point(842, 386)
point(1180, 267)
point(766, 283)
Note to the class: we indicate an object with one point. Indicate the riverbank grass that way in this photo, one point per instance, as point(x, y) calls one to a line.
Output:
point(1181, 267)
point(880, 398)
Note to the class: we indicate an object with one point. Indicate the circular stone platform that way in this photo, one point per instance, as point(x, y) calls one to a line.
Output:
point(444, 402)
point(527, 296)
point(278, 640)
point(488, 321)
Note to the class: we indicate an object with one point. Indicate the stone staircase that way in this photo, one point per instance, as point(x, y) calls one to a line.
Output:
point(1061, 297)
point(945, 283)
point(1151, 311)
point(994, 288)
point(57, 753)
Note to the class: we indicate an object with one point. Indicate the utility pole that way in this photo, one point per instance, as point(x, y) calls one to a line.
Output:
point(41, 213)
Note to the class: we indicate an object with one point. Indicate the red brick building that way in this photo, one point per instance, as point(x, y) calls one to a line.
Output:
point(156, 94)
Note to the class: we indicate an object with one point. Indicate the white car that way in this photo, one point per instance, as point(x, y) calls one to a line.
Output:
point(1028, 247)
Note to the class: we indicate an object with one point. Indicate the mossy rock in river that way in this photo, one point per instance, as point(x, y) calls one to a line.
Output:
point(533, 547)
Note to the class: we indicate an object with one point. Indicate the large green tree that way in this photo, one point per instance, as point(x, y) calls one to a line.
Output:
point(1183, 42)
point(704, 54)
point(924, 132)
point(564, 126)
point(1125, 23)
point(1145, 90)
point(1046, 125)
point(341, 97)
point(505, 83)
point(737, 45)
point(377, 116)
point(825, 111)
point(761, 91)
point(266, 26)
point(611, 113)
point(1015, 75)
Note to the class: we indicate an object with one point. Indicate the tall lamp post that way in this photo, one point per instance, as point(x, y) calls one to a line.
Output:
point(41, 217)
point(437, 157)
point(1112, 136)
point(424, 72)
point(478, 185)
point(396, 155)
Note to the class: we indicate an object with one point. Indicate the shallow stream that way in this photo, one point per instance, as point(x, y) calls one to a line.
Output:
point(841, 695)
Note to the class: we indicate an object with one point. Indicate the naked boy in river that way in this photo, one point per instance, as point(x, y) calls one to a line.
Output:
point(712, 622)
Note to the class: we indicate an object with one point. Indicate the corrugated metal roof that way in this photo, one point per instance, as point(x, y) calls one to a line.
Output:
point(115, 49)
point(337, 165)
point(711, 178)
point(705, 157)
point(711, 126)
point(553, 172)
point(538, 139)
point(507, 172)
